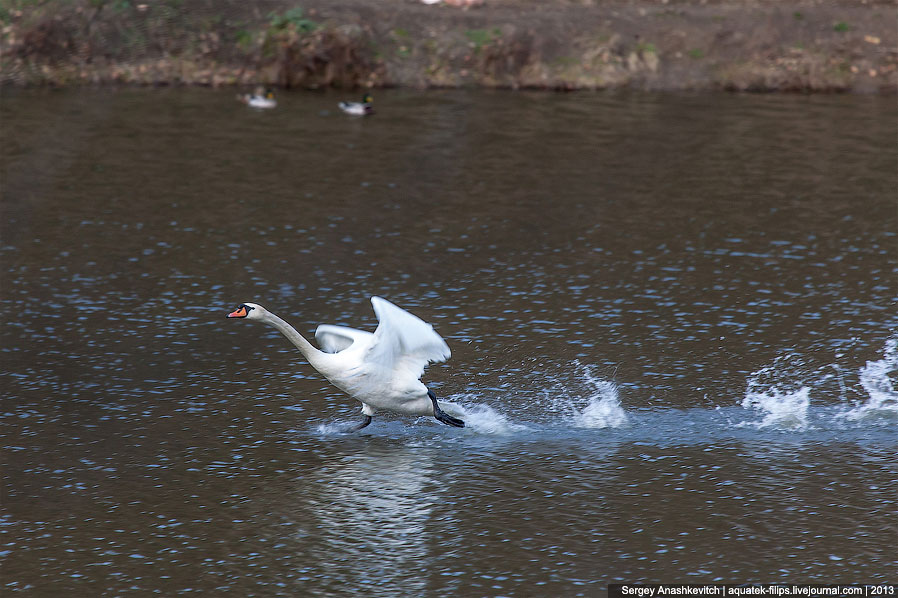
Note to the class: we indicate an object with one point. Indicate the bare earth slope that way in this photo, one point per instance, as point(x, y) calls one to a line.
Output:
point(755, 45)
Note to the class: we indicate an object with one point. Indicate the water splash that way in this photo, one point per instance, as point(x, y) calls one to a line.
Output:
point(483, 419)
point(335, 428)
point(603, 409)
point(882, 403)
point(582, 401)
point(779, 393)
point(784, 410)
point(587, 402)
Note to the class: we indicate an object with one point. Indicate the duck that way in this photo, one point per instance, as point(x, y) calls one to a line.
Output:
point(358, 108)
point(381, 370)
point(260, 98)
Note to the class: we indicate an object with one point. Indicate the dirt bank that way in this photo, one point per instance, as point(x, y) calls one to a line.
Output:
point(753, 45)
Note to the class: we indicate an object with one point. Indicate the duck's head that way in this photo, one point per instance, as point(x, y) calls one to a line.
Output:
point(250, 311)
point(367, 99)
point(269, 94)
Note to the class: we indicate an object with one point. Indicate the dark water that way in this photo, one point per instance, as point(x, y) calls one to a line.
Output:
point(673, 323)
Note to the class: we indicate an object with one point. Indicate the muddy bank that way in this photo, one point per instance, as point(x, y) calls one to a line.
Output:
point(750, 45)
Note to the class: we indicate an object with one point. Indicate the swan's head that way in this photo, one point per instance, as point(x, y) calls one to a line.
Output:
point(250, 311)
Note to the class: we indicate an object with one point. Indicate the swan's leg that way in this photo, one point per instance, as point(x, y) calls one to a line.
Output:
point(367, 412)
point(442, 416)
point(358, 427)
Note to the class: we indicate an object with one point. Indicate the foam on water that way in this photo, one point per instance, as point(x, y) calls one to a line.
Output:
point(882, 401)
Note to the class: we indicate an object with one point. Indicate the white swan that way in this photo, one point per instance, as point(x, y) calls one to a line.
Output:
point(381, 370)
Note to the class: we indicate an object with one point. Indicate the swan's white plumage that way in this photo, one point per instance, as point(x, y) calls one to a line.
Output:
point(333, 339)
point(402, 342)
point(381, 370)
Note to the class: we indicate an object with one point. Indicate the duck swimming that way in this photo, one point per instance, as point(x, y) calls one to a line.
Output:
point(358, 108)
point(260, 98)
point(381, 370)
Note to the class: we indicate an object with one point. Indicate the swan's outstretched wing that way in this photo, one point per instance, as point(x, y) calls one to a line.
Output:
point(403, 343)
point(333, 339)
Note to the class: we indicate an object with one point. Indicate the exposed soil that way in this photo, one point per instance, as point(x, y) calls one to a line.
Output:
point(750, 45)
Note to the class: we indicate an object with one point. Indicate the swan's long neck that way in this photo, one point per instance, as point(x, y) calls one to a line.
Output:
point(307, 349)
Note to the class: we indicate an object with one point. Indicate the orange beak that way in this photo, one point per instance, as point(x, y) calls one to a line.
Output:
point(240, 312)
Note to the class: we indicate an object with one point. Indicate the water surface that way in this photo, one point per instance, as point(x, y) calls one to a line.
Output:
point(672, 320)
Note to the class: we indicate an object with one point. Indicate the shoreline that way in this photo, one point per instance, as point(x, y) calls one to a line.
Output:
point(744, 46)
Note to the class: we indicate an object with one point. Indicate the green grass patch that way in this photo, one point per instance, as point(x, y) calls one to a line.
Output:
point(244, 39)
point(482, 37)
point(295, 18)
point(646, 47)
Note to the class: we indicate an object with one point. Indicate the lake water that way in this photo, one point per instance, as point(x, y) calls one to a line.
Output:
point(673, 323)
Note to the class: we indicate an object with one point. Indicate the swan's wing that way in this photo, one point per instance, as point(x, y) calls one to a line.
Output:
point(333, 339)
point(403, 341)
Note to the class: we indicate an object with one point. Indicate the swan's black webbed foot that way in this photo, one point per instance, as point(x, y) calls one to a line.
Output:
point(448, 419)
point(442, 416)
point(359, 426)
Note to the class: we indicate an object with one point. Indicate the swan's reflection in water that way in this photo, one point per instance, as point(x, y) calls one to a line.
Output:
point(374, 513)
